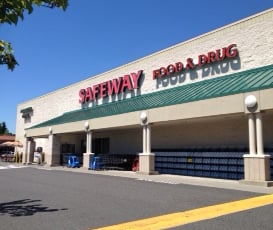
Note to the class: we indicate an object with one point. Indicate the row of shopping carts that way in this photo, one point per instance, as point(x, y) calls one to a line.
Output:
point(224, 165)
point(112, 161)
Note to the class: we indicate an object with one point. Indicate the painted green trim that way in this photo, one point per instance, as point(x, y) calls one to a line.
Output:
point(26, 110)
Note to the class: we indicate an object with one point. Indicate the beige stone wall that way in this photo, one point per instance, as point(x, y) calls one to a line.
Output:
point(126, 141)
point(214, 132)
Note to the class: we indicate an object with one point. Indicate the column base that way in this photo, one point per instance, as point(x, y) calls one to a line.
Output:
point(87, 158)
point(257, 183)
point(257, 168)
point(147, 164)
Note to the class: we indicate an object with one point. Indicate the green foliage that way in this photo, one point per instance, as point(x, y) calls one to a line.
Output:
point(6, 55)
point(3, 128)
point(13, 10)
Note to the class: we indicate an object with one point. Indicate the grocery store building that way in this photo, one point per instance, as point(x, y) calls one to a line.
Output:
point(203, 107)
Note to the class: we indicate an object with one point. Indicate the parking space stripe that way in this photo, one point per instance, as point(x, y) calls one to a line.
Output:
point(190, 216)
point(12, 167)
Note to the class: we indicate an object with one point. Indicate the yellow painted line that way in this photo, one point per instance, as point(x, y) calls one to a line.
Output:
point(186, 217)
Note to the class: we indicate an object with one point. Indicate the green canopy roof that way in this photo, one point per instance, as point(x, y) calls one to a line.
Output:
point(246, 81)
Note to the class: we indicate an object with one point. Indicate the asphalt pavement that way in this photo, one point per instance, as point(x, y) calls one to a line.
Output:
point(39, 197)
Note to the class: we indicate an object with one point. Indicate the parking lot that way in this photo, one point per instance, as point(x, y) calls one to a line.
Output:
point(35, 197)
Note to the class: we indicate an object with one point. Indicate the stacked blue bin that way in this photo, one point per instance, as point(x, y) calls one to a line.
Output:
point(73, 162)
point(95, 163)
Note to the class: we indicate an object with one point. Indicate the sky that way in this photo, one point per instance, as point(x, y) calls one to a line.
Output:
point(56, 48)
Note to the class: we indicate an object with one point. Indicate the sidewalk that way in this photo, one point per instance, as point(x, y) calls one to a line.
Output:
point(159, 178)
point(168, 179)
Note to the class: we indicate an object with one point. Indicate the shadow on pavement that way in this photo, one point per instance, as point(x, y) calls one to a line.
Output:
point(25, 207)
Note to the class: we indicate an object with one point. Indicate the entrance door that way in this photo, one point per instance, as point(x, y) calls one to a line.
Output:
point(101, 145)
point(66, 149)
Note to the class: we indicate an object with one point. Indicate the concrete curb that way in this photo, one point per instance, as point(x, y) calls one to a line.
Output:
point(162, 178)
point(173, 179)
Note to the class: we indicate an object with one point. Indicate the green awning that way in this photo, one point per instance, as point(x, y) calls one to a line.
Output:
point(246, 81)
point(26, 112)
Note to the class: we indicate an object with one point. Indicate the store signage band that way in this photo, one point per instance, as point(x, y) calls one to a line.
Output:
point(131, 81)
point(209, 58)
point(112, 87)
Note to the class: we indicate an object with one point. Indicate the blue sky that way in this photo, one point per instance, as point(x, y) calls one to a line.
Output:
point(56, 48)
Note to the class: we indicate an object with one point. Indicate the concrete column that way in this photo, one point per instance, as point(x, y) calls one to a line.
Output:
point(28, 152)
point(144, 139)
point(88, 156)
point(49, 159)
point(89, 141)
point(148, 132)
point(259, 134)
point(251, 133)
point(256, 163)
point(25, 151)
point(146, 158)
point(53, 156)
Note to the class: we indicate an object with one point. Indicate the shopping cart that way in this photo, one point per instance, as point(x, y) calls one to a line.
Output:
point(73, 162)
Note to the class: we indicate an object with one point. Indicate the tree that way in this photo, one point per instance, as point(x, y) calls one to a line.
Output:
point(3, 128)
point(13, 10)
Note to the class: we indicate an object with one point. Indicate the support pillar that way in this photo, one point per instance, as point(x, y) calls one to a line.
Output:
point(29, 151)
point(89, 141)
point(144, 139)
point(146, 158)
point(259, 134)
point(53, 155)
point(88, 156)
point(148, 137)
point(251, 133)
point(256, 163)
point(49, 159)
point(25, 151)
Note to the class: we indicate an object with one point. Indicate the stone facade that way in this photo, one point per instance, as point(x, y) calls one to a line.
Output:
point(215, 121)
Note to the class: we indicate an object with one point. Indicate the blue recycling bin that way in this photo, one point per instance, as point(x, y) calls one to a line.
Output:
point(73, 162)
point(96, 163)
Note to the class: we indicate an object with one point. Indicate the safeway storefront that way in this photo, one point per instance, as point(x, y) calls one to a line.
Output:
point(201, 108)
